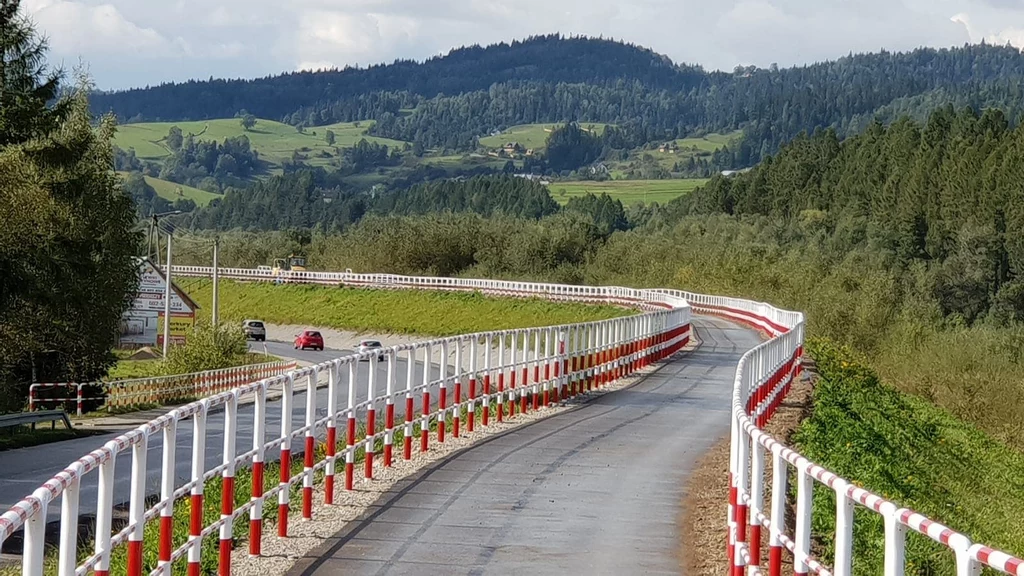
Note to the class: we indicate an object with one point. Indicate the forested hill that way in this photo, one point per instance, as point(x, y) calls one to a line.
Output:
point(450, 101)
point(550, 59)
point(948, 195)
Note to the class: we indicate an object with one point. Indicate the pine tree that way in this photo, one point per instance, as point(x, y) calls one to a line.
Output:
point(27, 89)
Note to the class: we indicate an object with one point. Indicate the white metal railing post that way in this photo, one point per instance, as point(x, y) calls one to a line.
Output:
point(535, 389)
point(442, 393)
point(409, 404)
point(389, 408)
point(284, 481)
point(756, 502)
point(309, 447)
point(485, 415)
point(137, 503)
point(350, 428)
point(471, 408)
point(195, 510)
point(742, 477)
point(371, 418)
point(547, 366)
point(802, 552)
point(105, 509)
point(844, 530)
point(895, 540)
point(778, 524)
point(966, 564)
point(35, 536)
point(227, 493)
point(259, 433)
point(425, 422)
point(67, 560)
point(167, 475)
point(524, 388)
point(500, 403)
point(332, 430)
point(457, 398)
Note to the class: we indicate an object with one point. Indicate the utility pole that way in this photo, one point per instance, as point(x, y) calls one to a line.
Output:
point(167, 299)
point(216, 277)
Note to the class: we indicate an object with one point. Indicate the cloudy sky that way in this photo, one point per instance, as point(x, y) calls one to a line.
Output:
point(129, 43)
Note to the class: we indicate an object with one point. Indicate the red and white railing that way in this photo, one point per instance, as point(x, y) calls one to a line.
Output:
point(587, 356)
point(506, 372)
point(763, 378)
point(143, 392)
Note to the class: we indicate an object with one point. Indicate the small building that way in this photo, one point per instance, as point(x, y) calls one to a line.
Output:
point(669, 147)
point(143, 323)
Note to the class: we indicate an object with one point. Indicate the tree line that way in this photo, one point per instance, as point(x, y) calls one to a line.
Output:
point(945, 195)
point(68, 241)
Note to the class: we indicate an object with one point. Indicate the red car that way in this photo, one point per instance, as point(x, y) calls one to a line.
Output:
point(309, 339)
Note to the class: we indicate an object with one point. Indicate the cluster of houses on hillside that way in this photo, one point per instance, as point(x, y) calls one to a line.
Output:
point(513, 150)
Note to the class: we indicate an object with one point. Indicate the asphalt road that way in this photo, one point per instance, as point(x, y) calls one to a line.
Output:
point(23, 470)
point(595, 490)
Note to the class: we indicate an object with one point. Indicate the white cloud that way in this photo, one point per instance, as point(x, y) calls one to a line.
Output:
point(244, 38)
point(78, 27)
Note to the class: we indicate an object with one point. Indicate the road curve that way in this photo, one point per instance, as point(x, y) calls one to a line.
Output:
point(595, 490)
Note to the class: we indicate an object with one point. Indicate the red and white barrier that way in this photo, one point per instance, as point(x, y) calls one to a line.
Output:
point(594, 354)
point(611, 348)
point(140, 392)
point(763, 379)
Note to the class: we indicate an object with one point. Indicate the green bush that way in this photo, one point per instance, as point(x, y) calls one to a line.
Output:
point(208, 347)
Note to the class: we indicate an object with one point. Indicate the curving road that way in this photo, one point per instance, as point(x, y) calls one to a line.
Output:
point(595, 490)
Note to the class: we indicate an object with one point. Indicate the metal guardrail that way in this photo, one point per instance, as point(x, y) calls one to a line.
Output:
point(20, 419)
point(531, 368)
point(595, 353)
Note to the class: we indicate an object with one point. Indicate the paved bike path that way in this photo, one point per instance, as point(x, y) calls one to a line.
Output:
point(595, 490)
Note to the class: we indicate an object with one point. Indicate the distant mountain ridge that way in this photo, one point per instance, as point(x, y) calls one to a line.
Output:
point(448, 102)
point(551, 58)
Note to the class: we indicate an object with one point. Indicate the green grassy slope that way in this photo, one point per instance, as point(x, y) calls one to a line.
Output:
point(627, 191)
point(531, 135)
point(406, 312)
point(273, 140)
point(169, 190)
point(907, 450)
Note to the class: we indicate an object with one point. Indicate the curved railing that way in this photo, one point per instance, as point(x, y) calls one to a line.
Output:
point(587, 355)
point(566, 360)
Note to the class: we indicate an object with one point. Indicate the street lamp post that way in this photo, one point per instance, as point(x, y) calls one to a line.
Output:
point(167, 278)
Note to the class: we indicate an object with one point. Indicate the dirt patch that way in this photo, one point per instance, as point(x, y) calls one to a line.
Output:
point(705, 501)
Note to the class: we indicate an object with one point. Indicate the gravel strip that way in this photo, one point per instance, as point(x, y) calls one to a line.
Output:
point(279, 554)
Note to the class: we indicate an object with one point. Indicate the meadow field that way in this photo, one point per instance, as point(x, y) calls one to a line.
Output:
point(274, 141)
point(627, 191)
point(532, 135)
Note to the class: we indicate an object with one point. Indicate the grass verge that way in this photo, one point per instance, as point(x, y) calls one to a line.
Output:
point(390, 311)
point(913, 453)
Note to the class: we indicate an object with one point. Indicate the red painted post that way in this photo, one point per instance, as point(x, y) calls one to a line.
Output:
point(258, 435)
point(284, 479)
point(195, 525)
point(371, 419)
point(389, 409)
point(350, 429)
point(409, 404)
